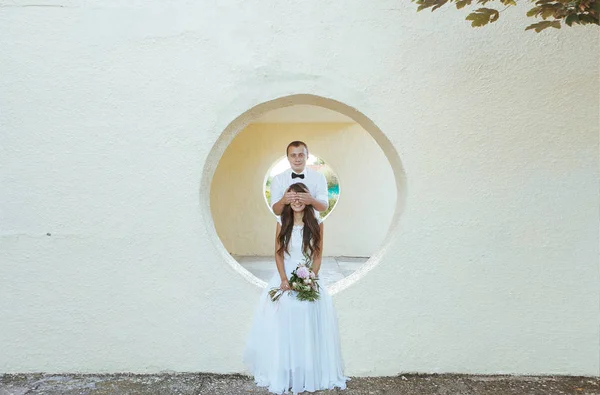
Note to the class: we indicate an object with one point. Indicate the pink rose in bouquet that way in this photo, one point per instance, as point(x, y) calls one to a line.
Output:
point(302, 272)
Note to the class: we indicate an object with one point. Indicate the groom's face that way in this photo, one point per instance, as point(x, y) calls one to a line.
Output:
point(297, 157)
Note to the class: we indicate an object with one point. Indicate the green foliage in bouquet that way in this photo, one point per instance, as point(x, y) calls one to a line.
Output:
point(303, 281)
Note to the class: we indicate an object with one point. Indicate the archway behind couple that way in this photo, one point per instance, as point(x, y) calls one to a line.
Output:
point(359, 222)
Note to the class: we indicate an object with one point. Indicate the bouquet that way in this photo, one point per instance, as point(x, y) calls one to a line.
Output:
point(303, 281)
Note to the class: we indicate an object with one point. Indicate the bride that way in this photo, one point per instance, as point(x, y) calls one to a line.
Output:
point(295, 344)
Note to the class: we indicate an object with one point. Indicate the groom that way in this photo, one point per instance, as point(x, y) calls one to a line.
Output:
point(297, 154)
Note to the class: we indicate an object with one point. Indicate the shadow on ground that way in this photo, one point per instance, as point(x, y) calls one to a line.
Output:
point(202, 383)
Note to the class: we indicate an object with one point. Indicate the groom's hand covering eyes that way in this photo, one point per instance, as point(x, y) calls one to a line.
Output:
point(290, 197)
point(304, 197)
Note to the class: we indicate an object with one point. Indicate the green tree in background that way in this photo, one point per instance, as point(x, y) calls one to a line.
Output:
point(552, 12)
point(332, 202)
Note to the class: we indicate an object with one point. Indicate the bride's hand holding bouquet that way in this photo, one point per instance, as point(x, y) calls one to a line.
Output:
point(304, 281)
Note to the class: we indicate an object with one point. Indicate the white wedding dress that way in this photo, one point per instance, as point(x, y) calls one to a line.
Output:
point(292, 344)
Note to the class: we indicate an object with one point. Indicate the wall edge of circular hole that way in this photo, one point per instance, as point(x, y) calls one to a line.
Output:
point(241, 121)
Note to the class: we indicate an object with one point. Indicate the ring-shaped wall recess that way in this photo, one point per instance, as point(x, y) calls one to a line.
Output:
point(244, 119)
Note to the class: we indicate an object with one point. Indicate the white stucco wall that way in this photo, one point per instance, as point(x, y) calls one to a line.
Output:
point(361, 218)
point(110, 121)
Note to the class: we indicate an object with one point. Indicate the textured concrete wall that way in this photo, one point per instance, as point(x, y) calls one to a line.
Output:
point(113, 118)
point(361, 219)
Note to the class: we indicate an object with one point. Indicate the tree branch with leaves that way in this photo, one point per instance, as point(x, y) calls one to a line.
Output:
point(552, 12)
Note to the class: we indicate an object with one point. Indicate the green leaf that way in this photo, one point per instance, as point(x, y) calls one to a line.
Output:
point(424, 4)
point(534, 11)
point(440, 3)
point(588, 19)
point(461, 3)
point(483, 16)
point(508, 2)
point(538, 27)
point(548, 11)
point(571, 19)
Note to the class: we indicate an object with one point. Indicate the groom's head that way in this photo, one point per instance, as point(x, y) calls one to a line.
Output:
point(297, 154)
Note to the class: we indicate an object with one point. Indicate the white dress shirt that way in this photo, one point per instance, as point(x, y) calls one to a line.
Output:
point(315, 181)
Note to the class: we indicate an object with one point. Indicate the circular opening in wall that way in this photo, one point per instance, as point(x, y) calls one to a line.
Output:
point(315, 163)
point(234, 186)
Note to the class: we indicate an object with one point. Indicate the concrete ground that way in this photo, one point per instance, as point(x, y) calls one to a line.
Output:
point(333, 268)
point(203, 383)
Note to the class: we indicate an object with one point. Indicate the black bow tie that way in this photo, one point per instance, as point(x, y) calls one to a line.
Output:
point(294, 175)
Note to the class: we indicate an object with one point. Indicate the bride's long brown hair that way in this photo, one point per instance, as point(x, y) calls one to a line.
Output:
point(311, 233)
